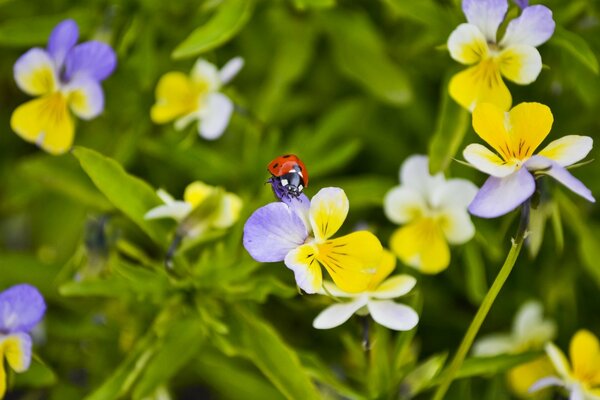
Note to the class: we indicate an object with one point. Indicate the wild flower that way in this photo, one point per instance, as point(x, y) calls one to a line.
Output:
point(514, 57)
point(515, 135)
point(198, 97)
point(66, 78)
point(21, 308)
point(433, 211)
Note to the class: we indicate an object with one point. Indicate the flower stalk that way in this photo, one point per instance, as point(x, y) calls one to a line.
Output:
point(486, 305)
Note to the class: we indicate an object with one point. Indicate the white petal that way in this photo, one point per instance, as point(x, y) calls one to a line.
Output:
point(568, 150)
point(330, 288)
point(35, 73)
point(486, 161)
point(395, 286)
point(486, 14)
point(307, 270)
point(492, 345)
point(467, 45)
point(215, 115)
point(392, 315)
point(205, 74)
point(177, 210)
point(533, 27)
point(559, 361)
point(229, 212)
point(231, 69)
point(454, 193)
point(457, 226)
point(577, 392)
point(520, 63)
point(337, 314)
point(530, 328)
point(414, 174)
point(86, 98)
point(165, 196)
point(402, 204)
point(546, 382)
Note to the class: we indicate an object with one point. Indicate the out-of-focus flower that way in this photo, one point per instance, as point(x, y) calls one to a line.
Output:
point(515, 57)
point(433, 211)
point(299, 233)
point(225, 213)
point(581, 378)
point(21, 308)
point(515, 135)
point(375, 300)
point(530, 331)
point(66, 78)
point(186, 98)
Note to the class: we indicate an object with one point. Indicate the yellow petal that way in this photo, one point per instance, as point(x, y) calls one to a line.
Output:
point(520, 63)
point(17, 349)
point(529, 124)
point(421, 244)
point(481, 83)
point(386, 265)
point(585, 356)
point(487, 161)
point(490, 123)
point(351, 260)
point(196, 192)
point(175, 97)
point(45, 121)
point(522, 377)
point(2, 376)
point(328, 210)
point(307, 271)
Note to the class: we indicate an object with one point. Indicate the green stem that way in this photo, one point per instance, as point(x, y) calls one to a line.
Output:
point(485, 306)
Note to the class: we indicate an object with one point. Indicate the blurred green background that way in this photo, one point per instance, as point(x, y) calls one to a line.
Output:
point(353, 88)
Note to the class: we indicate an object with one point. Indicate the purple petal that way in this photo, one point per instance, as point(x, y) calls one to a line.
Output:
point(521, 3)
point(62, 39)
point(21, 308)
point(561, 174)
point(534, 27)
point(272, 232)
point(499, 196)
point(487, 15)
point(95, 60)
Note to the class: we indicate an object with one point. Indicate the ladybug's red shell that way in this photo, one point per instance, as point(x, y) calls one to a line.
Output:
point(287, 163)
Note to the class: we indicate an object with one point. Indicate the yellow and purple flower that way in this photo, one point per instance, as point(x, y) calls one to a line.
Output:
point(196, 97)
point(515, 135)
point(515, 57)
point(299, 231)
point(376, 300)
point(66, 79)
point(433, 212)
point(21, 308)
point(581, 378)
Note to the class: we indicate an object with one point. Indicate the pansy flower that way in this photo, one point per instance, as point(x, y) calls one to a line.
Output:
point(21, 308)
point(375, 300)
point(515, 57)
point(66, 79)
point(224, 215)
point(186, 98)
point(300, 234)
point(514, 136)
point(581, 378)
point(530, 332)
point(433, 211)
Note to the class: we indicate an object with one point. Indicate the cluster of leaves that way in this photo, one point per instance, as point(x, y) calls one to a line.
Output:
point(353, 88)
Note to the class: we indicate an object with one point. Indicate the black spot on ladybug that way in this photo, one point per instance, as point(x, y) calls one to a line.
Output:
point(287, 156)
point(275, 165)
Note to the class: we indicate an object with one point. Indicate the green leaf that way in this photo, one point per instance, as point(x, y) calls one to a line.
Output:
point(576, 46)
point(131, 195)
point(418, 379)
point(179, 346)
point(452, 124)
point(359, 53)
point(38, 375)
point(474, 272)
point(260, 343)
point(364, 190)
point(316, 4)
point(26, 268)
point(478, 366)
point(229, 19)
point(426, 12)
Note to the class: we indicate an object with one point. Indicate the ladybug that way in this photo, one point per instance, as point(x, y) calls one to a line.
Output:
point(289, 173)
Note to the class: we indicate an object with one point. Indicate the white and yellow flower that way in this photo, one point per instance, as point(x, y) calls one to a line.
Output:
point(581, 378)
point(433, 211)
point(224, 216)
point(186, 98)
point(515, 57)
point(376, 300)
